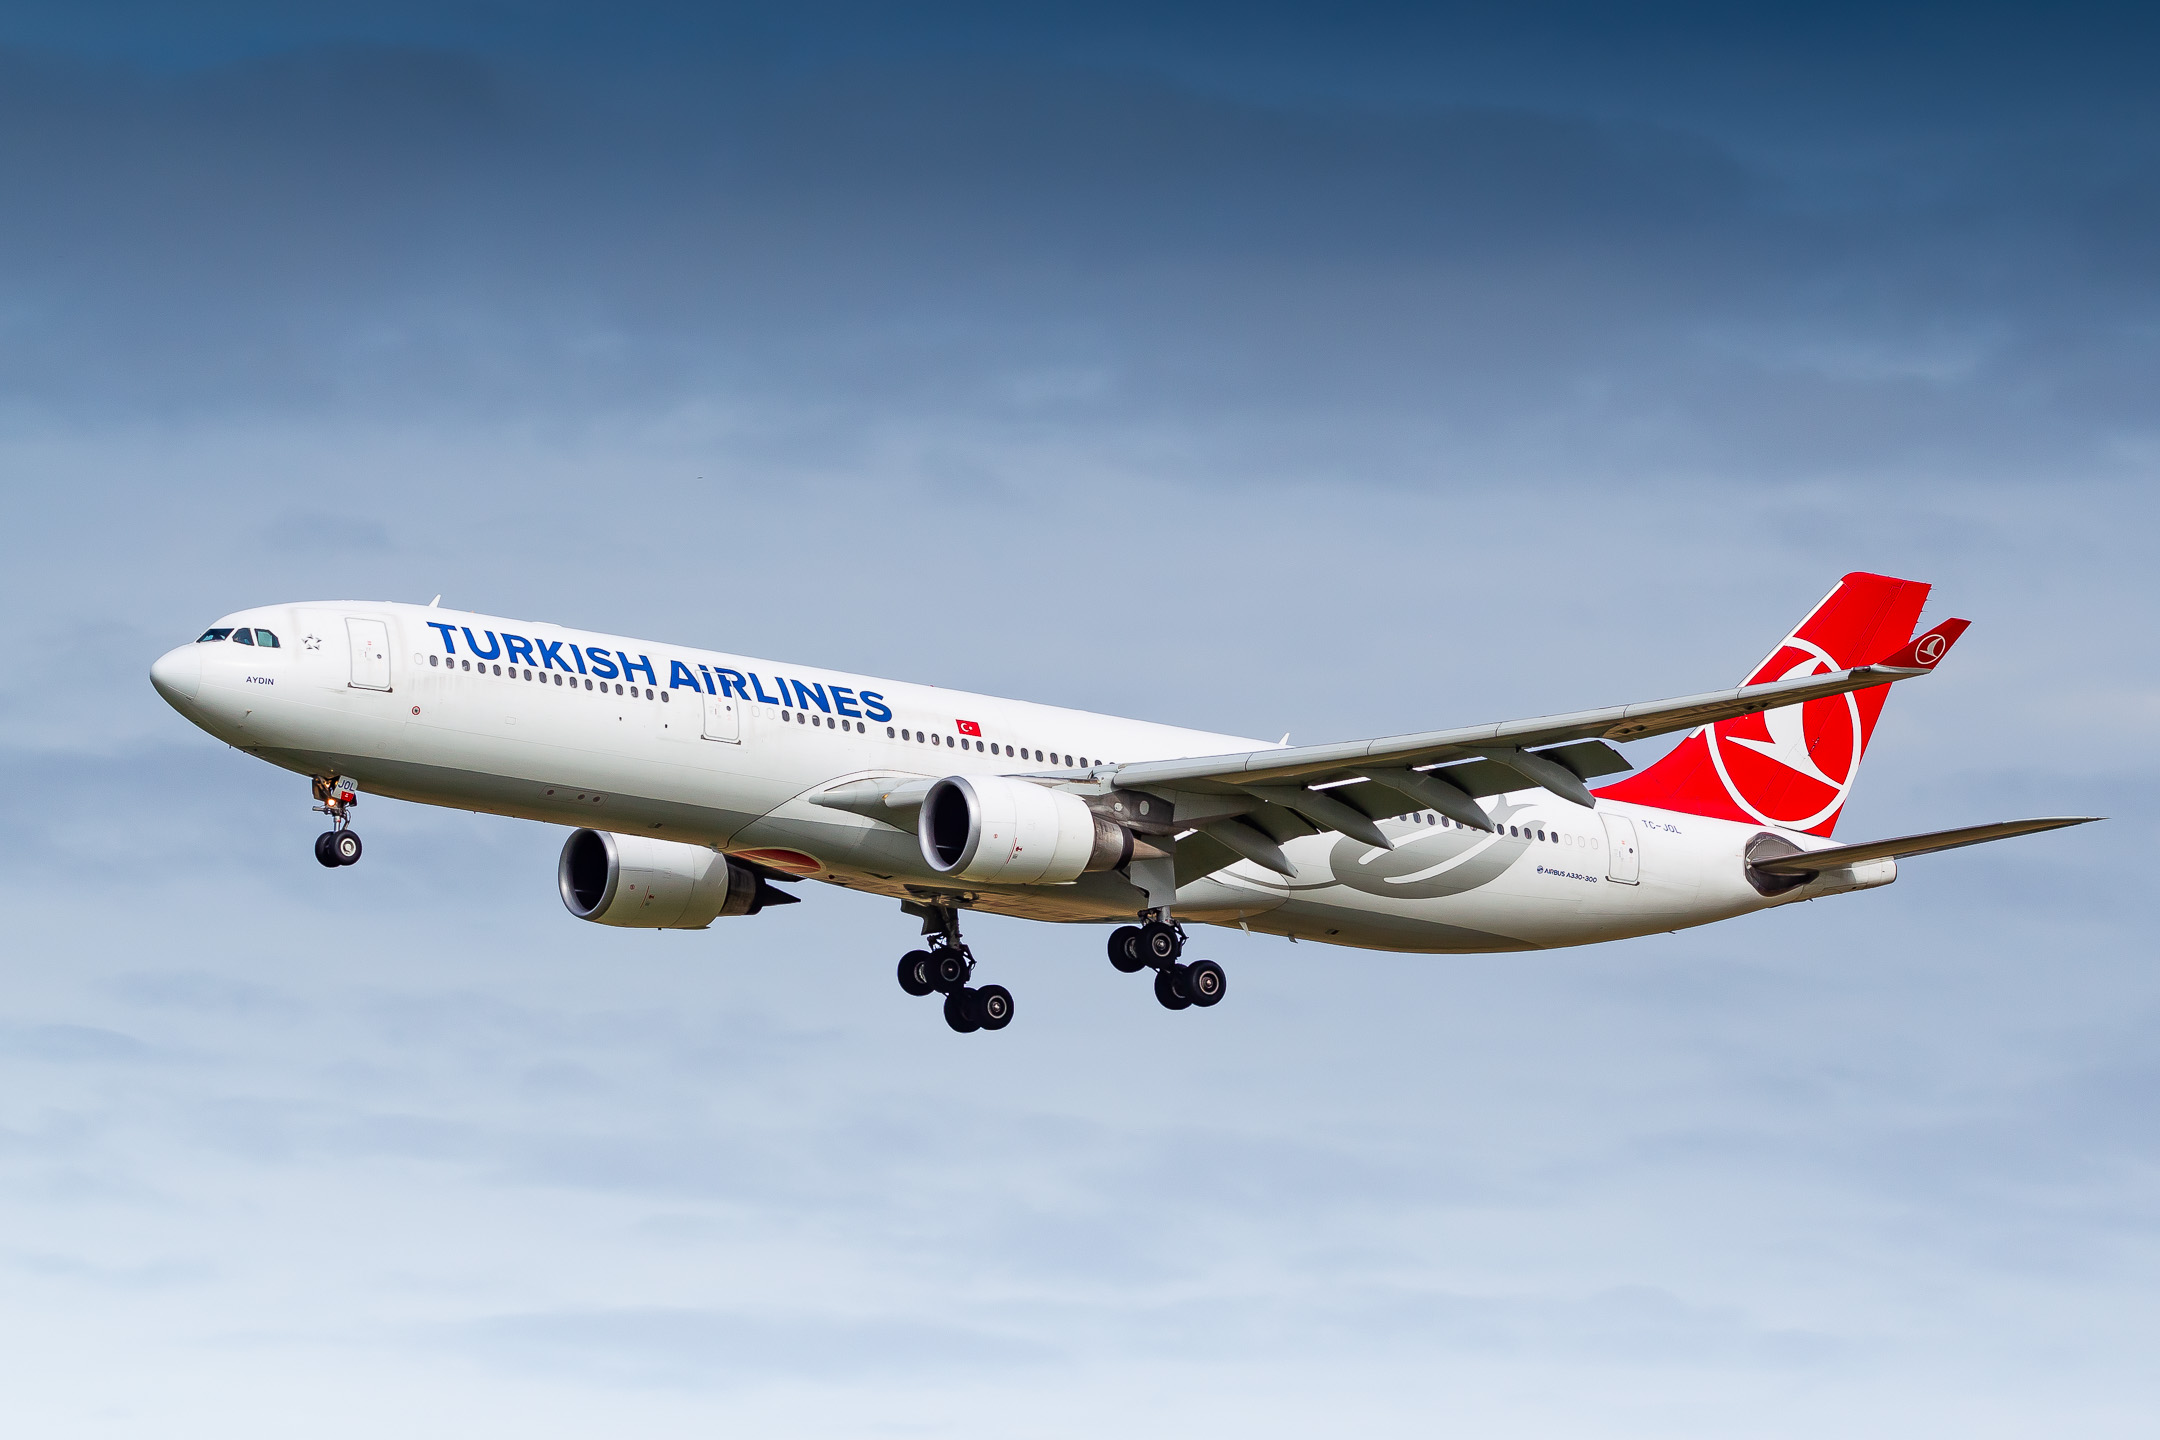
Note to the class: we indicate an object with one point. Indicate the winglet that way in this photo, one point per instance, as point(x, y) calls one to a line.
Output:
point(1926, 651)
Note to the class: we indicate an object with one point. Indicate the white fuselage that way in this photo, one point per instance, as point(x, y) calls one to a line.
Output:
point(724, 750)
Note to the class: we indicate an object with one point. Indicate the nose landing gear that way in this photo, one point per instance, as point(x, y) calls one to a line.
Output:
point(340, 844)
point(946, 967)
point(1158, 943)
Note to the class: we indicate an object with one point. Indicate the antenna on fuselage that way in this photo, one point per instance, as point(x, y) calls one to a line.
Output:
point(432, 604)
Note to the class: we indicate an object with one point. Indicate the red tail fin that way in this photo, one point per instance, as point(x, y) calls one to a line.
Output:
point(1792, 767)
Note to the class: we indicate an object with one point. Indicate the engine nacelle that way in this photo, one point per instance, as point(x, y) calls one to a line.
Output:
point(992, 830)
point(656, 884)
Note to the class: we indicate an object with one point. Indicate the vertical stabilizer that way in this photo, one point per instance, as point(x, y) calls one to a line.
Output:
point(1792, 767)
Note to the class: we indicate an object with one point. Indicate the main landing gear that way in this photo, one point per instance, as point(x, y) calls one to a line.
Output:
point(945, 969)
point(340, 844)
point(1159, 943)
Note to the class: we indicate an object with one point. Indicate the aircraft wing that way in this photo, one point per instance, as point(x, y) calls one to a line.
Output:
point(1812, 861)
point(1445, 769)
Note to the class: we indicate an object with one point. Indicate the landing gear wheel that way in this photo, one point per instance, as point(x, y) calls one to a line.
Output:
point(961, 1012)
point(1170, 988)
point(948, 971)
point(1125, 949)
point(1159, 943)
point(323, 852)
point(915, 973)
point(994, 1007)
point(345, 845)
point(1205, 982)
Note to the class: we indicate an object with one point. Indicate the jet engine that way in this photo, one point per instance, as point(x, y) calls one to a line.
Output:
point(993, 830)
point(656, 884)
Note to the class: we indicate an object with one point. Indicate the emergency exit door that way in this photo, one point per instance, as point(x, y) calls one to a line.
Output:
point(722, 720)
point(370, 644)
point(1623, 862)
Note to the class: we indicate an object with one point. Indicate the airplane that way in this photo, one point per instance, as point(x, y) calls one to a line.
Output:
point(697, 782)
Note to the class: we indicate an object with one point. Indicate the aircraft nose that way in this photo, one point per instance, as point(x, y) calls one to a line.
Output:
point(177, 674)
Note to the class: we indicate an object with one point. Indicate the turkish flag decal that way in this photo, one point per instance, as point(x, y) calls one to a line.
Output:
point(968, 727)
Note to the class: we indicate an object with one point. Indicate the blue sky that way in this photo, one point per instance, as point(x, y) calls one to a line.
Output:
point(1237, 367)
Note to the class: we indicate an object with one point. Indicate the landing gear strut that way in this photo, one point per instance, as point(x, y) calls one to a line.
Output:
point(340, 844)
point(1159, 942)
point(945, 967)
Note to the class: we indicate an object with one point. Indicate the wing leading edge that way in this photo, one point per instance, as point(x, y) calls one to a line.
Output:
point(1508, 743)
point(1247, 805)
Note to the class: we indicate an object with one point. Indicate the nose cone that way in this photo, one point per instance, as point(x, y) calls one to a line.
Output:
point(177, 674)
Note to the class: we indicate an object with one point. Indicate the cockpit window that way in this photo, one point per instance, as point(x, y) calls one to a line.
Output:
point(242, 637)
point(264, 637)
point(209, 635)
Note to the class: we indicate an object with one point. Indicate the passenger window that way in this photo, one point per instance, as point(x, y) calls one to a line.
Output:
point(243, 636)
point(433, 661)
point(663, 694)
point(209, 635)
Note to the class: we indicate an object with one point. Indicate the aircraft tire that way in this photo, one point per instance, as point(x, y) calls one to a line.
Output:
point(915, 973)
point(948, 970)
point(994, 1007)
point(960, 1011)
point(323, 853)
point(1125, 949)
point(1170, 989)
point(1205, 982)
point(1159, 944)
point(345, 845)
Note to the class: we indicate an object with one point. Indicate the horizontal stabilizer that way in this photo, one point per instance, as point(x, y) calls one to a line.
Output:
point(1813, 861)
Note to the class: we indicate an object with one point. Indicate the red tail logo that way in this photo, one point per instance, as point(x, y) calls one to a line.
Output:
point(1793, 767)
